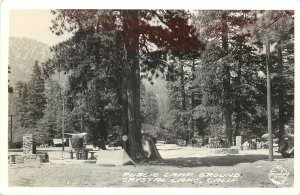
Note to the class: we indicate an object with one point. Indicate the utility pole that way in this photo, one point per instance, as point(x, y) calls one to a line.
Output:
point(10, 91)
point(81, 123)
point(271, 158)
point(11, 134)
point(63, 128)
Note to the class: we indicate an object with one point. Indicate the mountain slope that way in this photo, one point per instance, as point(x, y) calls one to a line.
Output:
point(23, 52)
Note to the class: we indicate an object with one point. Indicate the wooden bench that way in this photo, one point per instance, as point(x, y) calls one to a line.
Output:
point(82, 154)
point(78, 154)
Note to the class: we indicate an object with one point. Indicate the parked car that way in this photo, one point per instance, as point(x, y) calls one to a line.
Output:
point(286, 147)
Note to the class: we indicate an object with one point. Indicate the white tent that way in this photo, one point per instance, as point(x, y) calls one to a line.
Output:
point(114, 158)
point(76, 135)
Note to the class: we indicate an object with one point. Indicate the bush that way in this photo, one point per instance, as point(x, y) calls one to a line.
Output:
point(11, 145)
point(15, 145)
point(170, 140)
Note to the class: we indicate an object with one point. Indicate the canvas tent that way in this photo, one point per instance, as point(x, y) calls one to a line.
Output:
point(114, 158)
point(77, 140)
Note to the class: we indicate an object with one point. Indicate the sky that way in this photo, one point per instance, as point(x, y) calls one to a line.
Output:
point(33, 24)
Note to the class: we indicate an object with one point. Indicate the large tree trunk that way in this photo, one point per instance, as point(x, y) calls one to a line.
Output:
point(281, 96)
point(131, 86)
point(238, 111)
point(124, 106)
point(183, 102)
point(238, 107)
point(237, 127)
point(182, 87)
point(193, 99)
point(227, 107)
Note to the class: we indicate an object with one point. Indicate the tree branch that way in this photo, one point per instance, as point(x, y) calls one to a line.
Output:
point(159, 18)
point(143, 43)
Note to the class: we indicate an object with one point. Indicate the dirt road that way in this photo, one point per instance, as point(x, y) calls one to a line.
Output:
point(186, 167)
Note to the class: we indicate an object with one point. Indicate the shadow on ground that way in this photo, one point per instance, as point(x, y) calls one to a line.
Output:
point(228, 160)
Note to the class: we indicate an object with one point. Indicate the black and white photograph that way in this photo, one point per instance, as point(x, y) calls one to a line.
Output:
point(150, 98)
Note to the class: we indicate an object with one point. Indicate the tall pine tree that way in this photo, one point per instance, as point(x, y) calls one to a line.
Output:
point(131, 31)
point(36, 98)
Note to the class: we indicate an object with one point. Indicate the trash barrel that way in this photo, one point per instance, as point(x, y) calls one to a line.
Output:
point(12, 159)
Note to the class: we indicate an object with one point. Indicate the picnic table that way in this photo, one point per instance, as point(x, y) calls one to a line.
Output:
point(83, 154)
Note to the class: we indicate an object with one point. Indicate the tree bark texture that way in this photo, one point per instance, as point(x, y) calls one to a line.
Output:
point(227, 106)
point(269, 104)
point(193, 99)
point(131, 86)
point(281, 96)
point(183, 102)
point(238, 107)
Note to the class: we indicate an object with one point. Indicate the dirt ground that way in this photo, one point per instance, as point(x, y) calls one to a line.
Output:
point(180, 167)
